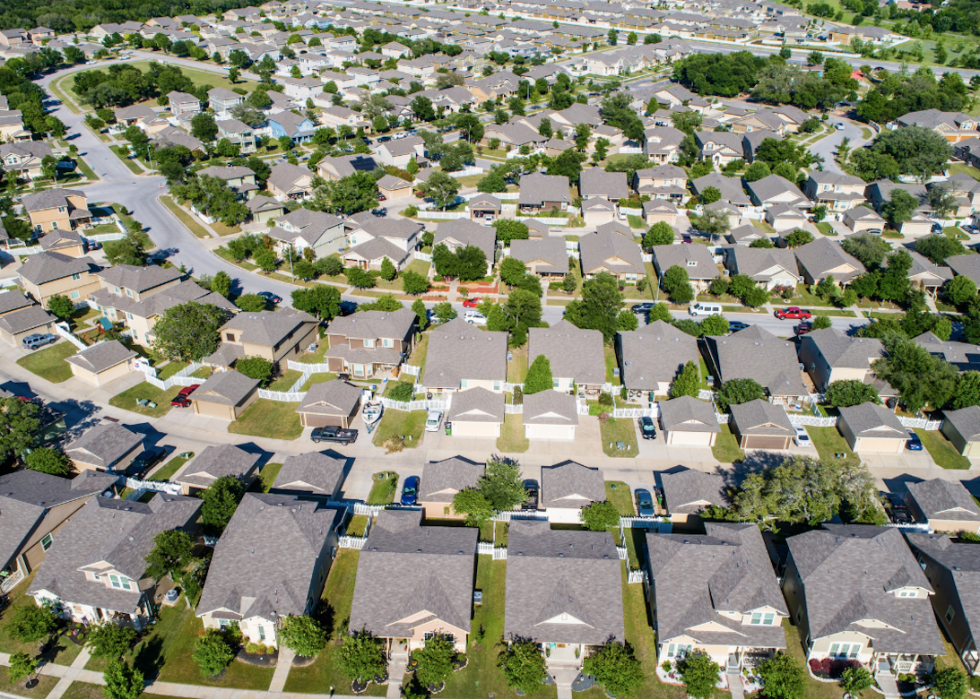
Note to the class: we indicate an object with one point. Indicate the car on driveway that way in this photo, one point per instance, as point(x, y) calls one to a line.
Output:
point(472, 303)
point(914, 443)
point(644, 502)
point(33, 342)
point(802, 437)
point(183, 397)
point(735, 325)
point(338, 435)
point(433, 421)
point(532, 488)
point(270, 297)
point(793, 313)
point(647, 429)
point(144, 461)
point(410, 491)
point(475, 318)
point(686, 238)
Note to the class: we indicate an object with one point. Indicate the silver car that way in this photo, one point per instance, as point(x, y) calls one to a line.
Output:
point(433, 421)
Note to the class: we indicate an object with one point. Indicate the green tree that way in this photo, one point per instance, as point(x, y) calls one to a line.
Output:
point(304, 269)
point(255, 367)
point(188, 332)
point(967, 391)
point(687, 382)
point(675, 282)
point(110, 641)
point(48, 460)
point(421, 312)
point(170, 554)
point(304, 635)
point(843, 394)
point(616, 668)
point(798, 237)
point(361, 656)
point(320, 300)
point(699, 673)
point(32, 624)
point(388, 270)
point(855, 680)
point(599, 307)
point(22, 665)
point(710, 195)
point(627, 321)
point(920, 378)
point(712, 222)
point(502, 484)
point(524, 666)
point(539, 376)
point(821, 322)
point(660, 233)
point(941, 199)
point(221, 284)
point(204, 127)
point(212, 653)
point(122, 681)
point(221, 500)
point(19, 424)
point(738, 391)
point(899, 208)
point(599, 516)
point(870, 250)
point(714, 325)
point(510, 229)
point(444, 311)
point(441, 188)
point(660, 311)
point(960, 290)
point(435, 661)
point(61, 306)
point(512, 271)
point(938, 247)
point(128, 251)
point(474, 504)
point(783, 677)
point(414, 283)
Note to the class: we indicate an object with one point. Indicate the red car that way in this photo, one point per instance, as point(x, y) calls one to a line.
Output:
point(793, 313)
point(803, 328)
point(472, 303)
point(183, 398)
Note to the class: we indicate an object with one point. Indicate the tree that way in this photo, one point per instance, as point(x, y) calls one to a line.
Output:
point(941, 199)
point(110, 641)
point(32, 624)
point(675, 282)
point(967, 391)
point(757, 171)
point(821, 322)
point(912, 150)
point(960, 290)
point(492, 183)
point(738, 391)
point(22, 665)
point(510, 229)
point(128, 251)
point(304, 269)
point(362, 656)
point(435, 661)
point(539, 376)
point(613, 37)
point(122, 681)
point(171, 552)
point(660, 233)
point(699, 673)
point(870, 250)
point(221, 500)
point(221, 283)
point(712, 221)
point(502, 485)
point(660, 311)
point(321, 300)
point(844, 394)
point(48, 460)
point(255, 367)
point(938, 247)
point(855, 680)
point(899, 208)
point(233, 74)
point(599, 307)
point(920, 378)
point(783, 677)
point(303, 635)
point(388, 270)
point(687, 382)
point(599, 516)
point(19, 423)
point(616, 668)
point(212, 653)
point(626, 321)
point(421, 312)
point(950, 683)
point(188, 332)
point(414, 283)
point(512, 271)
point(444, 311)
point(798, 237)
point(714, 325)
point(203, 127)
point(524, 666)
point(441, 188)
point(348, 195)
point(474, 504)
point(61, 306)
point(710, 195)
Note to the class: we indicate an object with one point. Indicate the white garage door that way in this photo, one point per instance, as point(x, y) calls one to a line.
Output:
point(488, 430)
point(550, 432)
point(886, 446)
point(689, 439)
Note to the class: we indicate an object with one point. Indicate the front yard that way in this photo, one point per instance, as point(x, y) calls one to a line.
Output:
point(726, 448)
point(618, 493)
point(512, 439)
point(408, 427)
point(267, 476)
point(942, 450)
point(63, 651)
point(829, 443)
point(127, 400)
point(618, 437)
point(269, 418)
point(384, 486)
point(50, 363)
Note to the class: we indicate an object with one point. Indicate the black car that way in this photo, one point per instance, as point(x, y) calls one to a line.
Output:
point(532, 488)
point(333, 434)
point(144, 461)
point(270, 297)
point(647, 428)
point(641, 307)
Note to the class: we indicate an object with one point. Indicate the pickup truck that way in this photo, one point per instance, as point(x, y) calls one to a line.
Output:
point(793, 313)
point(333, 434)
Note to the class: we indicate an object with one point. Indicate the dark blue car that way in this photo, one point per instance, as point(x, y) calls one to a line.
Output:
point(914, 443)
point(410, 492)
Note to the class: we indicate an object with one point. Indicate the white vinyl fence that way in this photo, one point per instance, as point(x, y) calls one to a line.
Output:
point(62, 329)
point(921, 423)
point(812, 420)
point(637, 576)
point(411, 370)
point(630, 212)
point(284, 396)
point(423, 256)
point(513, 409)
point(352, 542)
point(408, 406)
point(443, 215)
point(181, 378)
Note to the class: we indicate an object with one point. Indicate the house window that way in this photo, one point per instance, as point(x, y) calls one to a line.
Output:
point(760, 619)
point(449, 637)
point(230, 337)
point(61, 209)
point(845, 650)
point(129, 292)
point(950, 614)
point(554, 383)
point(908, 593)
point(76, 277)
point(464, 383)
point(678, 650)
point(47, 541)
point(358, 370)
point(496, 386)
point(261, 633)
point(387, 342)
point(227, 624)
point(129, 316)
point(119, 582)
point(369, 344)
point(75, 295)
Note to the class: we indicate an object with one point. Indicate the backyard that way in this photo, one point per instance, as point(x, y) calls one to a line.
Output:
point(50, 363)
point(167, 471)
point(266, 477)
point(269, 418)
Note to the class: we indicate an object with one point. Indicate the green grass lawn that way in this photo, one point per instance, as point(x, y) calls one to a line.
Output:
point(321, 378)
point(166, 472)
point(127, 399)
point(401, 424)
point(828, 442)
point(826, 228)
point(517, 367)
point(618, 493)
point(384, 486)
point(357, 525)
point(285, 381)
point(618, 430)
point(45, 683)
point(198, 77)
point(958, 168)
point(267, 476)
point(185, 218)
point(512, 439)
point(269, 418)
point(610, 356)
point(62, 650)
point(50, 363)
point(84, 690)
point(419, 353)
point(726, 448)
point(127, 161)
point(322, 345)
point(85, 169)
point(169, 369)
point(942, 450)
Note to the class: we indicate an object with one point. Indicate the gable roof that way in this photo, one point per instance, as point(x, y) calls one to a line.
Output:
point(467, 232)
point(942, 499)
point(138, 279)
point(550, 251)
point(760, 417)
point(610, 252)
point(477, 405)
point(550, 408)
point(755, 353)
point(966, 421)
point(46, 267)
point(686, 490)
point(870, 420)
point(103, 444)
point(687, 414)
point(313, 473)
point(597, 182)
point(654, 354)
point(693, 259)
point(25, 319)
point(572, 352)
point(572, 485)
point(840, 350)
point(217, 462)
point(334, 397)
point(443, 479)
point(267, 328)
point(226, 388)
point(537, 189)
point(962, 564)
point(762, 263)
point(101, 356)
point(460, 351)
point(824, 256)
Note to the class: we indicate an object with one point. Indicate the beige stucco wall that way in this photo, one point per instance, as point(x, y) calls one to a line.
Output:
point(558, 433)
point(85, 285)
point(16, 338)
point(953, 525)
point(691, 439)
point(225, 412)
point(100, 379)
point(484, 430)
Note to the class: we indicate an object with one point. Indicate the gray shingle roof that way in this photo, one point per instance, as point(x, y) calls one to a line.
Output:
point(942, 499)
point(572, 485)
point(694, 259)
point(226, 388)
point(477, 405)
point(610, 252)
point(48, 266)
point(464, 232)
point(841, 350)
point(443, 479)
point(761, 263)
point(313, 473)
point(952, 352)
point(334, 397)
point(550, 408)
point(687, 414)
point(216, 462)
point(687, 490)
point(655, 354)
point(767, 188)
point(537, 189)
point(870, 420)
point(962, 579)
point(966, 265)
point(966, 421)
point(13, 301)
point(760, 417)
point(757, 354)
point(102, 356)
point(460, 351)
point(49, 199)
point(597, 182)
point(573, 353)
point(268, 328)
point(824, 256)
point(25, 319)
point(103, 444)
point(549, 250)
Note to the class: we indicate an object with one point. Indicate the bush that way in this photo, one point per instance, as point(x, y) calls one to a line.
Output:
point(402, 391)
point(605, 398)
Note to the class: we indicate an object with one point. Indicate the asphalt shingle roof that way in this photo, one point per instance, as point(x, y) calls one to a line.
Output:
point(443, 479)
point(460, 351)
point(687, 414)
point(103, 444)
point(216, 462)
point(550, 408)
point(942, 499)
point(571, 485)
point(654, 355)
point(686, 490)
point(313, 473)
point(754, 353)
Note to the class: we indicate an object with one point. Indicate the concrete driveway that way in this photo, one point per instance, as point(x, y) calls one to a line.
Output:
point(906, 460)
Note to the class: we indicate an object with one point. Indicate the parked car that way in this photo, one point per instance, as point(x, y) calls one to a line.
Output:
point(914, 443)
point(183, 397)
point(475, 318)
point(410, 491)
point(337, 435)
point(647, 429)
point(270, 297)
point(433, 421)
point(382, 197)
point(384, 139)
point(802, 437)
point(803, 328)
point(735, 325)
point(793, 313)
point(532, 488)
point(686, 238)
point(839, 126)
point(641, 307)
point(144, 461)
point(472, 303)
point(899, 513)
point(33, 342)
point(937, 228)
point(644, 502)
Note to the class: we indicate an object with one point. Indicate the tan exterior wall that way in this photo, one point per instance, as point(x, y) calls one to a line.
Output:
point(85, 285)
point(560, 433)
point(417, 639)
point(439, 510)
point(658, 218)
point(962, 445)
point(691, 439)
point(483, 430)
point(400, 193)
point(47, 219)
point(597, 218)
point(953, 525)
point(821, 646)
point(225, 412)
point(100, 379)
point(881, 446)
point(15, 339)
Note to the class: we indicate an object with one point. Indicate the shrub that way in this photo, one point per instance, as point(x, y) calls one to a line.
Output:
point(605, 398)
point(402, 391)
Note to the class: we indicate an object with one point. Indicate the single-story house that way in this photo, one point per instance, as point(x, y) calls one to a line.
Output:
point(476, 412)
point(550, 415)
point(313, 474)
point(108, 446)
point(332, 403)
point(226, 395)
point(759, 424)
point(15, 326)
point(568, 487)
point(217, 462)
point(962, 428)
point(687, 492)
point(946, 506)
point(689, 422)
point(440, 482)
point(872, 428)
point(651, 358)
point(102, 363)
point(546, 257)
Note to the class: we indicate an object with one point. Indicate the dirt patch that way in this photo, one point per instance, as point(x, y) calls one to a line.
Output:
point(258, 659)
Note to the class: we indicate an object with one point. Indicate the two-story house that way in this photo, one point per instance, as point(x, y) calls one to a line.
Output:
point(304, 229)
point(464, 232)
point(719, 147)
point(836, 191)
point(651, 357)
point(240, 179)
point(222, 101)
point(238, 133)
point(609, 251)
point(46, 274)
point(275, 336)
point(376, 238)
point(662, 182)
point(543, 193)
point(182, 105)
point(290, 182)
point(371, 344)
point(298, 128)
point(830, 355)
point(462, 356)
point(25, 159)
point(57, 208)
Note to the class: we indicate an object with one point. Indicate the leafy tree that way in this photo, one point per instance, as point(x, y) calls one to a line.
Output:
point(421, 312)
point(911, 150)
point(61, 306)
point(855, 680)
point(304, 269)
point(712, 221)
point(524, 666)
point(821, 322)
point(435, 661)
point(348, 195)
point(110, 641)
point(616, 668)
point(204, 127)
point(843, 394)
point(48, 460)
point(599, 516)
point(122, 681)
point(626, 321)
point(266, 260)
point(539, 376)
point(441, 188)
point(212, 653)
point(710, 195)
point(256, 367)
point(414, 283)
point(960, 290)
point(388, 270)
point(510, 229)
point(32, 624)
point(128, 251)
point(492, 183)
point(950, 683)
point(599, 307)
point(967, 391)
point(675, 282)
point(387, 303)
point(502, 484)
point(221, 284)
point(699, 674)
point(938, 247)
point(783, 677)
point(19, 423)
point(687, 382)
point(474, 504)
point(899, 208)
point(920, 378)
point(714, 325)
point(660, 311)
point(512, 271)
point(660, 233)
point(738, 391)
point(798, 237)
point(171, 552)
point(221, 500)
point(870, 250)
point(444, 311)
point(188, 332)
point(757, 171)
point(22, 665)
point(322, 301)
point(361, 656)
point(941, 198)
point(303, 635)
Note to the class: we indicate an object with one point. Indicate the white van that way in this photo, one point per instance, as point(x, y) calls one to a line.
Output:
point(704, 309)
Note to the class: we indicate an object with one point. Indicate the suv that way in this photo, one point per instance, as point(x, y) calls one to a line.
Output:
point(183, 397)
point(647, 429)
point(793, 313)
point(333, 434)
point(32, 342)
point(531, 487)
point(144, 461)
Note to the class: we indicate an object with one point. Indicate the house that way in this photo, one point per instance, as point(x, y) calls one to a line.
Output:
point(550, 415)
point(25, 159)
point(376, 238)
point(925, 275)
point(770, 267)
point(568, 487)
point(830, 355)
point(785, 219)
point(662, 182)
point(304, 228)
point(313, 474)
point(222, 101)
point(238, 178)
point(96, 571)
point(462, 356)
point(729, 187)
point(476, 412)
point(719, 147)
point(613, 253)
point(651, 357)
point(965, 266)
point(863, 219)
point(773, 190)
point(102, 363)
point(225, 395)
point(546, 257)
point(432, 592)
point(857, 593)
point(598, 211)
point(753, 140)
point(595, 182)
point(443, 479)
point(238, 133)
point(66, 242)
point(332, 403)
point(13, 301)
point(693, 259)
point(688, 492)
point(543, 193)
point(660, 211)
point(755, 353)
point(277, 336)
point(263, 209)
point(485, 207)
point(962, 355)
point(823, 258)
point(575, 356)
point(952, 570)
point(141, 116)
point(217, 462)
point(962, 428)
point(687, 421)
point(270, 563)
point(872, 428)
point(399, 153)
point(745, 234)
point(173, 136)
point(946, 506)
point(53, 209)
point(564, 590)
point(298, 128)
point(759, 424)
point(370, 344)
point(108, 446)
point(464, 232)
point(35, 507)
point(718, 593)
point(15, 326)
point(392, 187)
point(836, 191)
point(953, 126)
point(290, 182)
point(183, 105)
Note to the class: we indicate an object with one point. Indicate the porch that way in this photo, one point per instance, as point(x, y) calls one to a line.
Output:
point(902, 663)
point(563, 654)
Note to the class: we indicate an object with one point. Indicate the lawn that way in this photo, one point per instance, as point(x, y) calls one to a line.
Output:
point(269, 418)
point(357, 525)
point(169, 369)
point(408, 426)
point(45, 684)
point(826, 228)
point(185, 218)
point(829, 442)
point(127, 161)
point(86, 170)
point(383, 488)
point(517, 367)
point(610, 356)
point(726, 448)
point(166, 472)
point(50, 363)
point(942, 450)
point(62, 651)
point(321, 378)
point(814, 689)
point(323, 344)
point(267, 476)
point(957, 168)
point(512, 439)
point(419, 353)
point(127, 399)
point(198, 77)
point(618, 493)
point(286, 381)
point(616, 430)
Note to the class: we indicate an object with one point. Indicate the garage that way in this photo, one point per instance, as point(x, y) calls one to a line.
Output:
point(15, 326)
point(550, 415)
point(477, 413)
point(759, 424)
point(103, 363)
point(682, 438)
point(962, 429)
point(226, 395)
point(479, 430)
point(870, 428)
point(688, 422)
point(764, 442)
point(329, 404)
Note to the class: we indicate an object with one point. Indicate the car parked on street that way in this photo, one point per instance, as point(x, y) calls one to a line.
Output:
point(337, 435)
point(472, 303)
point(33, 342)
point(644, 503)
point(475, 318)
point(641, 307)
point(410, 491)
point(270, 297)
point(183, 397)
point(793, 313)
point(735, 325)
point(802, 329)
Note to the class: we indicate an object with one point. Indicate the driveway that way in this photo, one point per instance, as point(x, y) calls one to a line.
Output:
point(905, 461)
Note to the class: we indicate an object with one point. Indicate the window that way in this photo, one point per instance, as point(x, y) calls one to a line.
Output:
point(46, 542)
point(129, 316)
point(908, 593)
point(129, 292)
point(120, 582)
point(845, 650)
point(358, 370)
point(950, 614)
point(75, 294)
point(76, 277)
point(61, 209)
point(230, 337)
point(227, 624)
point(54, 225)
point(678, 650)
point(387, 342)
point(762, 619)
point(496, 386)
point(449, 637)
point(464, 383)
point(261, 633)
point(554, 383)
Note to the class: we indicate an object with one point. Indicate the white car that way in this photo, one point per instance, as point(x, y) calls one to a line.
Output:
point(839, 126)
point(802, 438)
point(433, 421)
point(475, 318)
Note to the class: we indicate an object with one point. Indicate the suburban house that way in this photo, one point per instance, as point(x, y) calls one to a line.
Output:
point(613, 253)
point(290, 182)
point(863, 219)
point(226, 395)
point(550, 415)
point(102, 363)
point(108, 446)
point(464, 232)
point(52, 209)
point(660, 211)
point(462, 356)
point(15, 326)
point(546, 257)
point(836, 191)
point(399, 153)
point(830, 355)
point(688, 492)
point(687, 421)
point(946, 506)
point(370, 344)
point(331, 403)
point(575, 355)
point(651, 357)
point(375, 239)
point(270, 563)
point(263, 209)
point(183, 105)
point(543, 193)
point(961, 355)
point(414, 582)
point(143, 117)
point(595, 182)
point(476, 413)
point(925, 275)
point(760, 424)
point(770, 267)
point(773, 190)
point(63, 241)
point(238, 178)
point(95, 572)
point(716, 593)
point(443, 479)
point(825, 257)
point(24, 160)
point(217, 462)
point(568, 487)
point(277, 336)
point(962, 428)
point(730, 188)
point(857, 592)
point(303, 228)
point(755, 353)
point(222, 101)
point(872, 428)
point(953, 126)
point(719, 147)
point(485, 207)
point(298, 128)
point(662, 182)
point(564, 590)
point(693, 259)
point(785, 219)
point(313, 474)
point(238, 133)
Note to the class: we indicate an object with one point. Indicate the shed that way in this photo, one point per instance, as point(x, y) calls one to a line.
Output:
point(872, 428)
point(759, 424)
point(689, 422)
